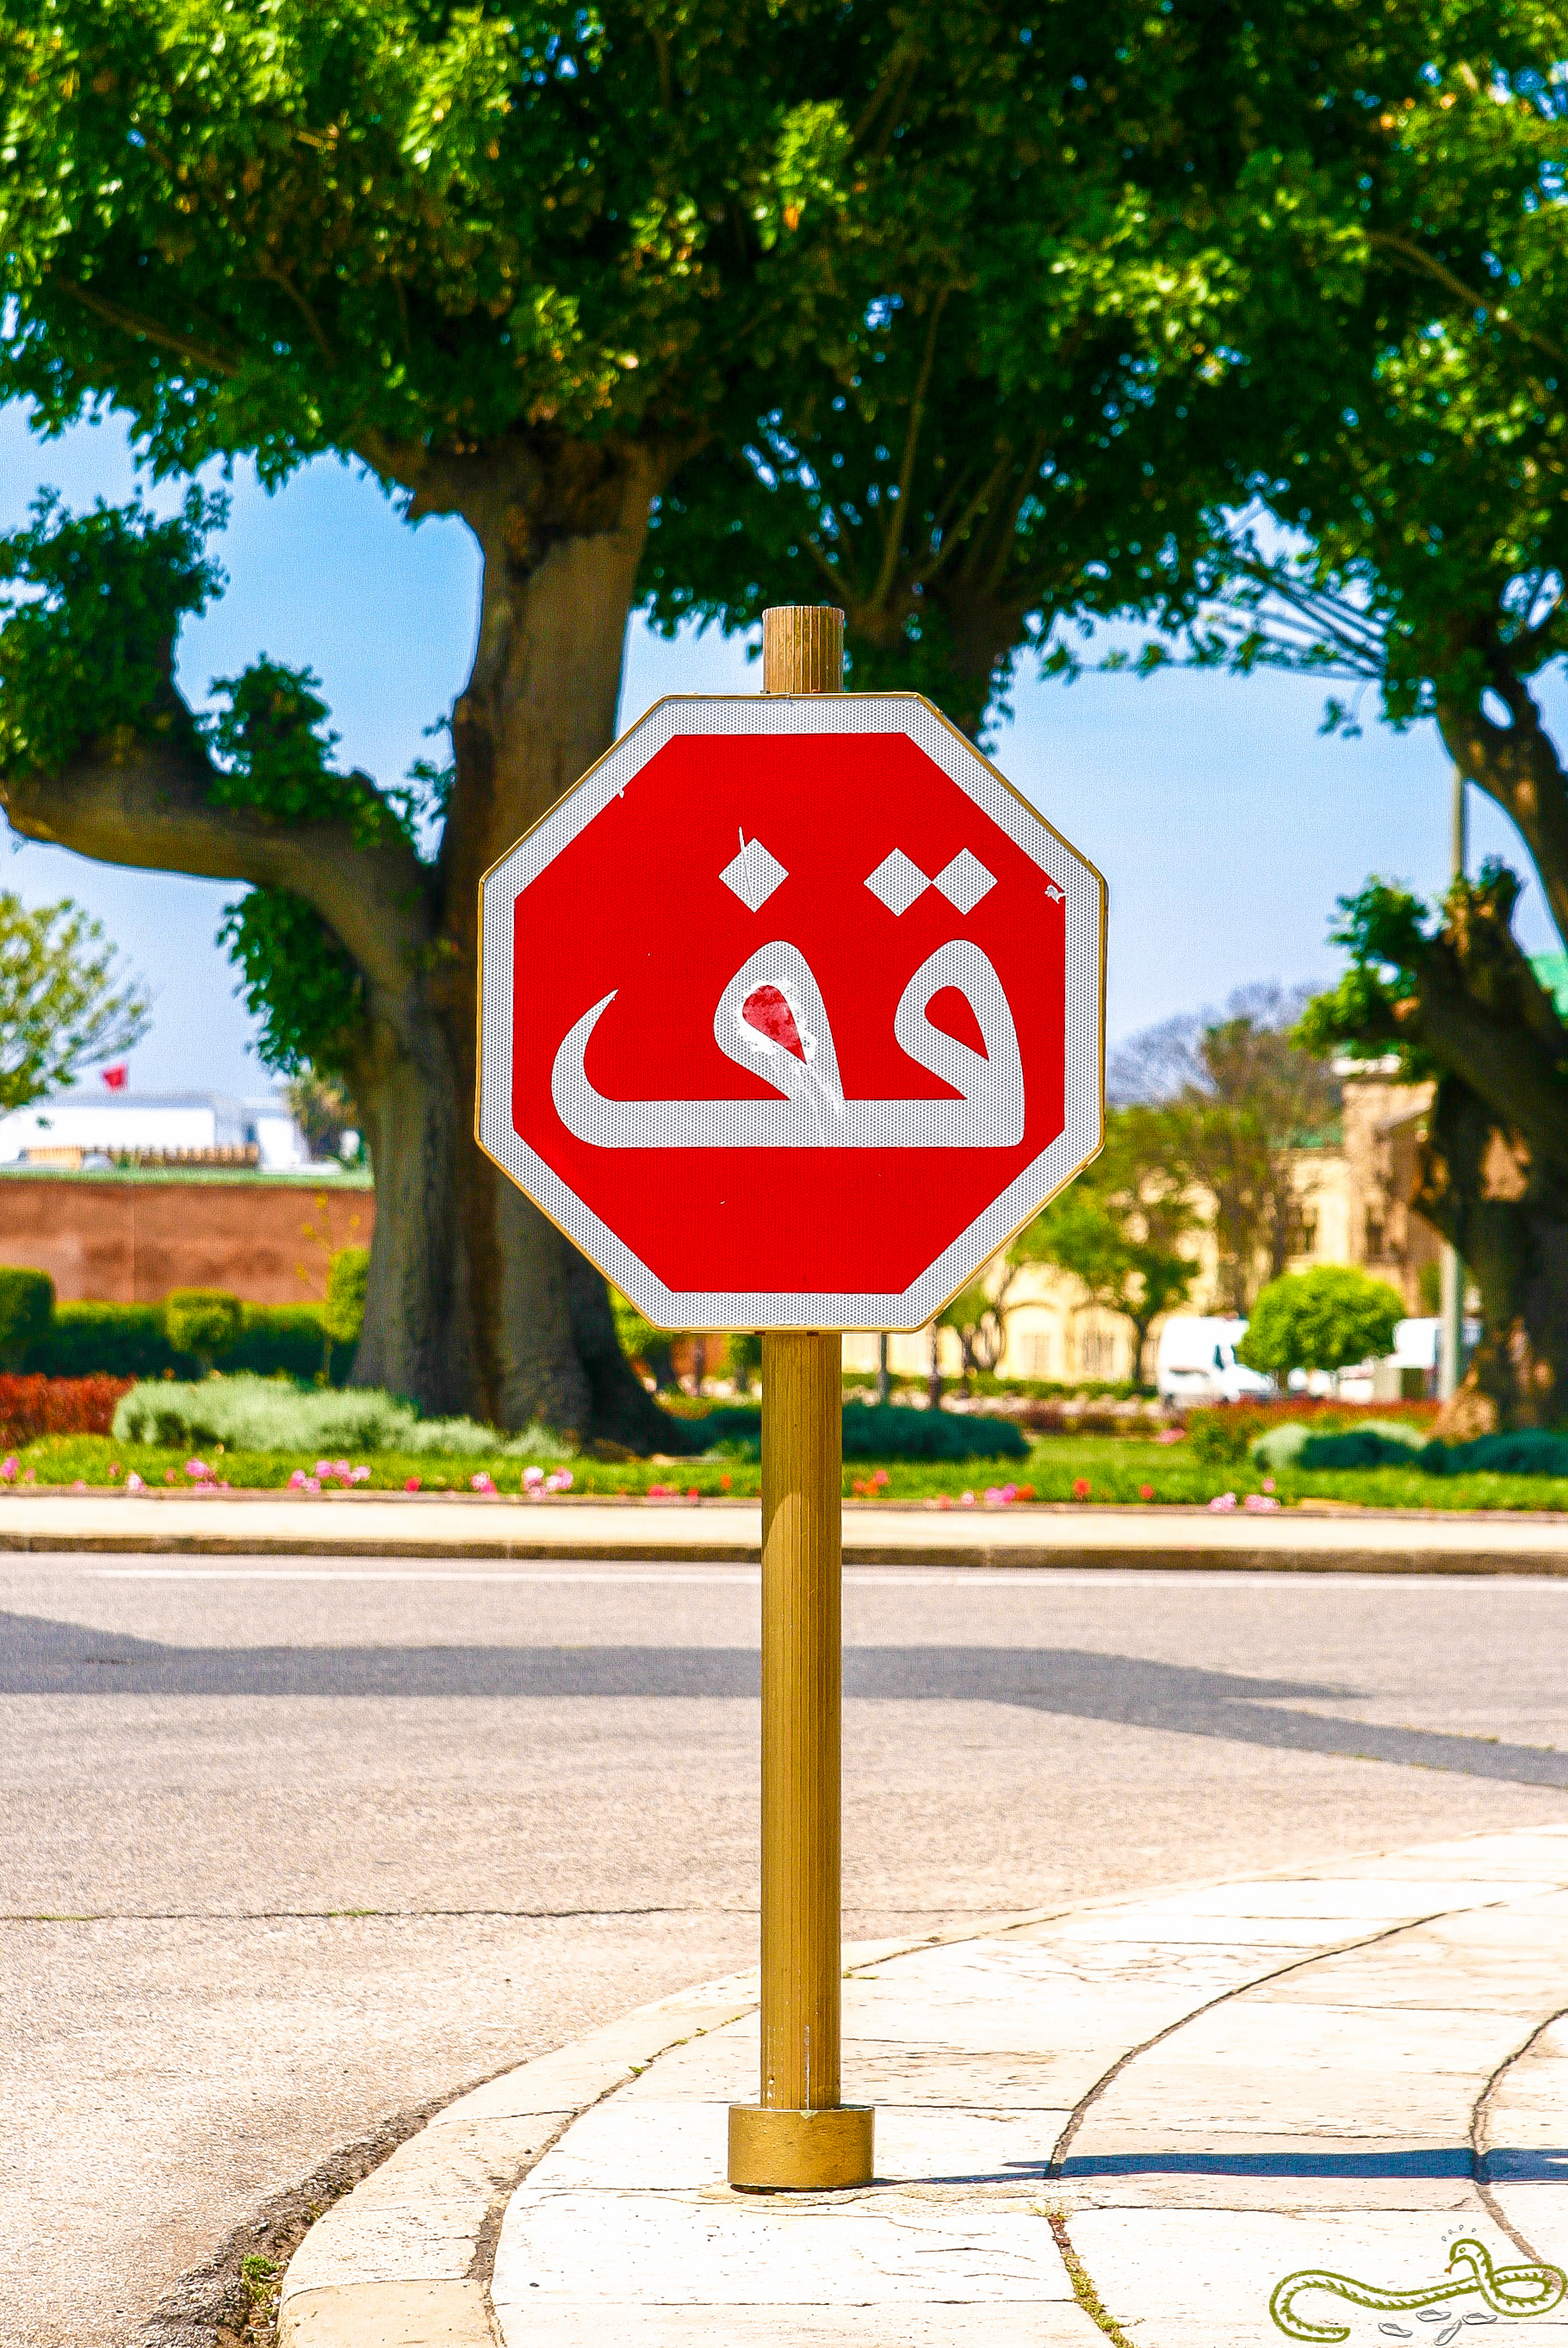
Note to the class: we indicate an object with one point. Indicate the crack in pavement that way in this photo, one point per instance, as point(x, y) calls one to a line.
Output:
point(43, 1657)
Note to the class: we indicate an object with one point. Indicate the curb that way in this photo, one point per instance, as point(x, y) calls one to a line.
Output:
point(1052, 1536)
point(403, 2260)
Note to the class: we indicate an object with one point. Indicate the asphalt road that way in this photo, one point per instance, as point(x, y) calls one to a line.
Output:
point(291, 1849)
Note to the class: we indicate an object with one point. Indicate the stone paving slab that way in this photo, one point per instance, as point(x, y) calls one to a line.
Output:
point(1139, 2099)
point(500, 1527)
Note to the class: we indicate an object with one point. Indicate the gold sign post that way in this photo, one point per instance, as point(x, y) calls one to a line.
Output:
point(799, 2136)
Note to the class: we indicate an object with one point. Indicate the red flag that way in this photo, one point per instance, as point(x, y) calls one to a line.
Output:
point(115, 1077)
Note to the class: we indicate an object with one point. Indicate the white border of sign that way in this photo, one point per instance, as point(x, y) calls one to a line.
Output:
point(1083, 1128)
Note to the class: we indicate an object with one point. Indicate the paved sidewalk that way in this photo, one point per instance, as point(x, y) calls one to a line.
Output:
point(1136, 2118)
point(1311, 1539)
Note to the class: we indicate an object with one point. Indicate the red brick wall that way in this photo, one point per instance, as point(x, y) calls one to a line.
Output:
point(130, 1241)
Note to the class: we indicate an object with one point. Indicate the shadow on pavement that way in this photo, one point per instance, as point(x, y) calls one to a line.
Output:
point(39, 1657)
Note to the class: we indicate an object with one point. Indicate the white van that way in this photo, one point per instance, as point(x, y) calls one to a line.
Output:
point(1196, 1361)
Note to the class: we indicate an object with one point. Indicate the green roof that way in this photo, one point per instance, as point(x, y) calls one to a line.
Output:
point(1552, 970)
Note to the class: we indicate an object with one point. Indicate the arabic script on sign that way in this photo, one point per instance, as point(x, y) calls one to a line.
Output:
point(771, 1020)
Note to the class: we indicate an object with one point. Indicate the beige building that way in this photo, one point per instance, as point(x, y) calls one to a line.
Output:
point(1354, 1191)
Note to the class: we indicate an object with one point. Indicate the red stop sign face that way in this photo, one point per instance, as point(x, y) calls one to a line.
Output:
point(791, 1013)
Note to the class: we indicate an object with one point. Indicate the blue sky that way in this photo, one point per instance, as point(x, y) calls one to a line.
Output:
point(1224, 823)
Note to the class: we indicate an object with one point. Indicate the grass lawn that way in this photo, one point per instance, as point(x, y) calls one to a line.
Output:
point(1117, 1469)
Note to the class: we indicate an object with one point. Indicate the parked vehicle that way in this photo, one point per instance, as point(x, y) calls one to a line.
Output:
point(1196, 1361)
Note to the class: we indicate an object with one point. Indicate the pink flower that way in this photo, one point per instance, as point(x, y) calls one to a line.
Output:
point(1226, 1500)
point(411, 1484)
point(1171, 1435)
point(359, 1474)
point(881, 1477)
point(562, 1481)
point(966, 1499)
point(482, 1482)
point(1259, 1503)
point(168, 1475)
point(533, 1480)
point(296, 1481)
point(133, 1482)
point(8, 1468)
point(113, 1469)
point(1268, 1483)
point(30, 1476)
point(197, 1469)
point(80, 1484)
point(311, 1484)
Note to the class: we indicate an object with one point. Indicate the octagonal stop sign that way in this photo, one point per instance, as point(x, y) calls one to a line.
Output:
point(791, 1013)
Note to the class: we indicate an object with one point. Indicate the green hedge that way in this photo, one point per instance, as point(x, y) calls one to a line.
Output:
point(883, 1431)
point(127, 1340)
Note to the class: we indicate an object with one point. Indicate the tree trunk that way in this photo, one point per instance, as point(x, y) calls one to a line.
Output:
point(1507, 1216)
point(475, 1299)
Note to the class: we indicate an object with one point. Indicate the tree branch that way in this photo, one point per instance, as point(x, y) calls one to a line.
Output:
point(162, 338)
point(893, 537)
point(146, 805)
point(1428, 265)
point(1518, 767)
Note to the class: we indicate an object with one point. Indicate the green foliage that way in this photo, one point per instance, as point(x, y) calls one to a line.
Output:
point(85, 648)
point(1121, 1228)
point(1283, 1446)
point(643, 1344)
point(63, 1002)
point(305, 992)
point(743, 1358)
point(382, 227)
point(256, 1414)
point(205, 1322)
point(885, 1431)
point(27, 1308)
point(1531, 1451)
point(119, 1340)
point(343, 1314)
point(980, 1321)
point(1321, 1320)
point(128, 1341)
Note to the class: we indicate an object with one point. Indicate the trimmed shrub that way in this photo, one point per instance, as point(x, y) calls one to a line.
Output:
point(26, 1304)
point(1321, 1320)
point(204, 1321)
point(287, 1341)
point(343, 1314)
point(37, 1405)
point(1376, 1443)
point(883, 1431)
point(252, 1413)
point(128, 1341)
point(109, 1340)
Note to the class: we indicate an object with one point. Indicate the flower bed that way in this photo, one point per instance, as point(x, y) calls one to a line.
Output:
point(31, 1407)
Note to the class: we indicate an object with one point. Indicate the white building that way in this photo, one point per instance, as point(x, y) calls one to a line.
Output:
point(76, 1127)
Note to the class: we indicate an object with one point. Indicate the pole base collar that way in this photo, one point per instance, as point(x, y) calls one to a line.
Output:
point(801, 2152)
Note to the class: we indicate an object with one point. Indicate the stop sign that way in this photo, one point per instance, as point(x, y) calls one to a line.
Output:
point(791, 1013)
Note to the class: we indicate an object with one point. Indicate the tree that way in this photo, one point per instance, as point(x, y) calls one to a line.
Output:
point(322, 1111)
point(525, 268)
point(1324, 1319)
point(1424, 494)
point(978, 1319)
point(64, 1004)
point(1244, 1098)
point(1121, 1229)
point(553, 272)
point(1030, 438)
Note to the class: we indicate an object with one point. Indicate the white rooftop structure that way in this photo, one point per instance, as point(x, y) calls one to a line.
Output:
point(115, 1123)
